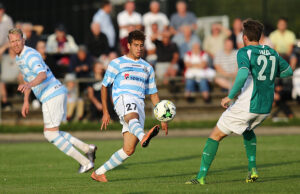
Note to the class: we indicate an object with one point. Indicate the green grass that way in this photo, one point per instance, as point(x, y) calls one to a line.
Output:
point(94, 126)
point(161, 168)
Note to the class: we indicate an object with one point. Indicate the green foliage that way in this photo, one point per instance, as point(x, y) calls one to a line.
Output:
point(163, 167)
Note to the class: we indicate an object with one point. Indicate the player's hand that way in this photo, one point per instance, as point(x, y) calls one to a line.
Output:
point(225, 102)
point(164, 126)
point(25, 109)
point(23, 87)
point(105, 120)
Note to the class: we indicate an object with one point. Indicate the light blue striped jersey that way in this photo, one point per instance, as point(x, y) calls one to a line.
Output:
point(31, 64)
point(130, 77)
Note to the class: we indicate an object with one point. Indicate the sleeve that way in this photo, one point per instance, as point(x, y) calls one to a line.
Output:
point(151, 85)
point(285, 69)
point(243, 60)
point(240, 80)
point(35, 63)
point(110, 74)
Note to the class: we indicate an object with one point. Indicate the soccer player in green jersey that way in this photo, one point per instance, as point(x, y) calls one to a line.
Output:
point(258, 66)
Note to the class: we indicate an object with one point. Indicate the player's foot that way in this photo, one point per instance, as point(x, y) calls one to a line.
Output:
point(83, 169)
point(195, 181)
point(91, 154)
point(152, 133)
point(252, 176)
point(100, 178)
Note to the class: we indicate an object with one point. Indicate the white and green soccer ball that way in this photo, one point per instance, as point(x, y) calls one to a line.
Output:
point(165, 111)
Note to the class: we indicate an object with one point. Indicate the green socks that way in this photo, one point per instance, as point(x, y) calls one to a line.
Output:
point(250, 146)
point(208, 156)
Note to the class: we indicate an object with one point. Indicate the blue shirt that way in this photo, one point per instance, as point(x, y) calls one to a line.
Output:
point(136, 78)
point(31, 64)
point(106, 26)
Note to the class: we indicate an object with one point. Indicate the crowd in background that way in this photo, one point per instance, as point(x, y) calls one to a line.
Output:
point(171, 46)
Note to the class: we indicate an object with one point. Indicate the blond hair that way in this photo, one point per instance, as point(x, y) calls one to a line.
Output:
point(15, 31)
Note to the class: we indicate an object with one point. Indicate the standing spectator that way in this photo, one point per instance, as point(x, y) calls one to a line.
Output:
point(154, 17)
point(128, 18)
point(283, 39)
point(103, 18)
point(74, 102)
point(215, 42)
point(237, 33)
point(185, 40)
point(295, 64)
point(31, 38)
point(6, 23)
point(197, 73)
point(167, 57)
point(182, 17)
point(226, 66)
point(60, 42)
point(97, 42)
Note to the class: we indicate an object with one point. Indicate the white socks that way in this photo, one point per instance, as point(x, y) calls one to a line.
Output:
point(76, 142)
point(115, 160)
point(136, 129)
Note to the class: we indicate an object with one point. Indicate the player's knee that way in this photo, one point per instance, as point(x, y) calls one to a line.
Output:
point(129, 151)
point(50, 135)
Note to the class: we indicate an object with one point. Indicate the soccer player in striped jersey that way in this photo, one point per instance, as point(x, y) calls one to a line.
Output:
point(131, 78)
point(52, 94)
point(258, 66)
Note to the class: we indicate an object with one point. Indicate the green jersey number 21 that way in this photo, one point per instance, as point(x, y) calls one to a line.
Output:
point(262, 60)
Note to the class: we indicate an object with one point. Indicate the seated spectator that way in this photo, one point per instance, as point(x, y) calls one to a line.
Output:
point(10, 74)
point(185, 40)
point(215, 42)
point(97, 42)
point(283, 39)
point(60, 42)
point(81, 64)
point(74, 102)
point(128, 18)
point(6, 24)
point(31, 38)
point(167, 53)
point(237, 33)
point(197, 73)
point(182, 17)
point(103, 18)
point(154, 16)
point(226, 66)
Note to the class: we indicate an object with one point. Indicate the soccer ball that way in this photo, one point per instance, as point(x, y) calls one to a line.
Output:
point(165, 111)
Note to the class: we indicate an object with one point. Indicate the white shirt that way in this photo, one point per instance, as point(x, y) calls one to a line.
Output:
point(125, 19)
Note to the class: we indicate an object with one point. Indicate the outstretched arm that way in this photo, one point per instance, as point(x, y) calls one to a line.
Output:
point(155, 99)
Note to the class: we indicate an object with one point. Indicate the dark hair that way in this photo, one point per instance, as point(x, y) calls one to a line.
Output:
point(253, 29)
point(136, 35)
point(104, 3)
point(284, 19)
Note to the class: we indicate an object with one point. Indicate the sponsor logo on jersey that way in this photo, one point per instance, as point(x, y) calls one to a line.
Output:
point(126, 75)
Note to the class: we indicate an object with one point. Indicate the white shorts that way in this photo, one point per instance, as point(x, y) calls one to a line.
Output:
point(127, 104)
point(54, 111)
point(236, 120)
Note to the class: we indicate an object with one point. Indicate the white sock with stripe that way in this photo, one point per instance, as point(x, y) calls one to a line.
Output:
point(65, 146)
point(76, 142)
point(136, 128)
point(115, 160)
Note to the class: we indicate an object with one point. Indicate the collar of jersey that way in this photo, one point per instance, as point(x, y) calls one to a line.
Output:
point(130, 58)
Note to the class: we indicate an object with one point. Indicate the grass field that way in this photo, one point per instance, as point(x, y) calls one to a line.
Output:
point(163, 167)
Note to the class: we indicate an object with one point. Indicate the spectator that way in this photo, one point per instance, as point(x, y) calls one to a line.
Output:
point(215, 42)
point(31, 38)
point(185, 40)
point(153, 19)
point(97, 42)
point(124, 41)
point(167, 57)
point(74, 102)
point(103, 18)
point(128, 19)
point(60, 42)
point(182, 17)
point(265, 40)
point(283, 39)
point(9, 74)
point(295, 64)
point(237, 33)
point(197, 73)
point(226, 66)
point(6, 23)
